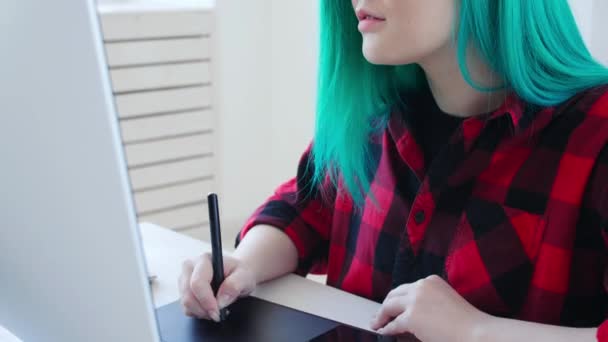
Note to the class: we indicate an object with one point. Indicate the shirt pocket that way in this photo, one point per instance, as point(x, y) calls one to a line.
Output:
point(491, 257)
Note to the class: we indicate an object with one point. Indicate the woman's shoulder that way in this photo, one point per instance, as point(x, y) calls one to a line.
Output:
point(580, 123)
point(587, 145)
point(592, 102)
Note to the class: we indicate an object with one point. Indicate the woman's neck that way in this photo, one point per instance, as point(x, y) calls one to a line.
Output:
point(452, 93)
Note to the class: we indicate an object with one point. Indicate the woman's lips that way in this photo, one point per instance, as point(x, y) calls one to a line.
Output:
point(368, 22)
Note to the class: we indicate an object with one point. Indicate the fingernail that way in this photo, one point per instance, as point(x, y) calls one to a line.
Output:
point(215, 316)
point(223, 301)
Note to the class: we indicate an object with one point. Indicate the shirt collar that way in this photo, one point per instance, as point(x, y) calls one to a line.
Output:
point(519, 113)
point(514, 109)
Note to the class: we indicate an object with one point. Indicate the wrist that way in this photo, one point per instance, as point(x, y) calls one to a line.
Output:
point(478, 330)
point(246, 262)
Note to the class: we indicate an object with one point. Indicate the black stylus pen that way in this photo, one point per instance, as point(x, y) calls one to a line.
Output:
point(216, 247)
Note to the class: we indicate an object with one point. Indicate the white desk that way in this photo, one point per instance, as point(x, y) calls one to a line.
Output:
point(165, 250)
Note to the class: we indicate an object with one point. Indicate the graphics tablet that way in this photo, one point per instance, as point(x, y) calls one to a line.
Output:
point(256, 320)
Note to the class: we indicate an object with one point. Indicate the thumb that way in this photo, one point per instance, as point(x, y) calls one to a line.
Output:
point(238, 284)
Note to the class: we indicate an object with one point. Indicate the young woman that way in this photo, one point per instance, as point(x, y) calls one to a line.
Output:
point(458, 174)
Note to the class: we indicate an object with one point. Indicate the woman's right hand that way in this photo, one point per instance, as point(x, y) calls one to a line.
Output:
point(197, 297)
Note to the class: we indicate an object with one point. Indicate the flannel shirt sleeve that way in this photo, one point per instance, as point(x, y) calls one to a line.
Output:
point(303, 211)
point(600, 186)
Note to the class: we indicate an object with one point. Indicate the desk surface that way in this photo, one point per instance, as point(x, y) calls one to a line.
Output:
point(166, 250)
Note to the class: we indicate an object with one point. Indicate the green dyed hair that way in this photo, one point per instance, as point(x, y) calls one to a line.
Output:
point(535, 45)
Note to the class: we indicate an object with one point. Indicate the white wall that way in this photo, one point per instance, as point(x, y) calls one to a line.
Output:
point(599, 40)
point(265, 74)
point(294, 64)
point(583, 11)
point(242, 77)
point(591, 18)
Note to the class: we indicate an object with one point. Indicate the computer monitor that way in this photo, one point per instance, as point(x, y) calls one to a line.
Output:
point(67, 224)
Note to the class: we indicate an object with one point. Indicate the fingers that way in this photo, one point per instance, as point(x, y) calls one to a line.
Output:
point(239, 283)
point(200, 286)
point(379, 318)
point(192, 308)
point(190, 304)
point(397, 327)
point(390, 309)
point(399, 291)
point(398, 310)
point(197, 295)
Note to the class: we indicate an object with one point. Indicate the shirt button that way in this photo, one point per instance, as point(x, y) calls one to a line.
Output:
point(419, 217)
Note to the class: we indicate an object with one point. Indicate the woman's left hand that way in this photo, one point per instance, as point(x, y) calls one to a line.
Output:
point(430, 309)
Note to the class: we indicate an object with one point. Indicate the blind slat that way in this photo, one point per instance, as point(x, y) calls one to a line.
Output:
point(166, 125)
point(139, 25)
point(168, 149)
point(170, 197)
point(163, 101)
point(171, 172)
point(160, 76)
point(157, 51)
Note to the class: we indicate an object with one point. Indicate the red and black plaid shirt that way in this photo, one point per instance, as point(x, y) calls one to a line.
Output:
point(512, 212)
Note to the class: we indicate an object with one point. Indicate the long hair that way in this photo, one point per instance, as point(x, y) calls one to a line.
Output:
point(534, 45)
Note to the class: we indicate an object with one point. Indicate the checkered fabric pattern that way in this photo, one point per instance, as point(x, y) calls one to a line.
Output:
point(512, 212)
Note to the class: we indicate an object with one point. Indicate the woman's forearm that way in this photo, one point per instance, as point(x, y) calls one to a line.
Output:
point(496, 329)
point(268, 252)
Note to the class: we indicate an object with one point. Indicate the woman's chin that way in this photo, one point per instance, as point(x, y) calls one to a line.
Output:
point(379, 56)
